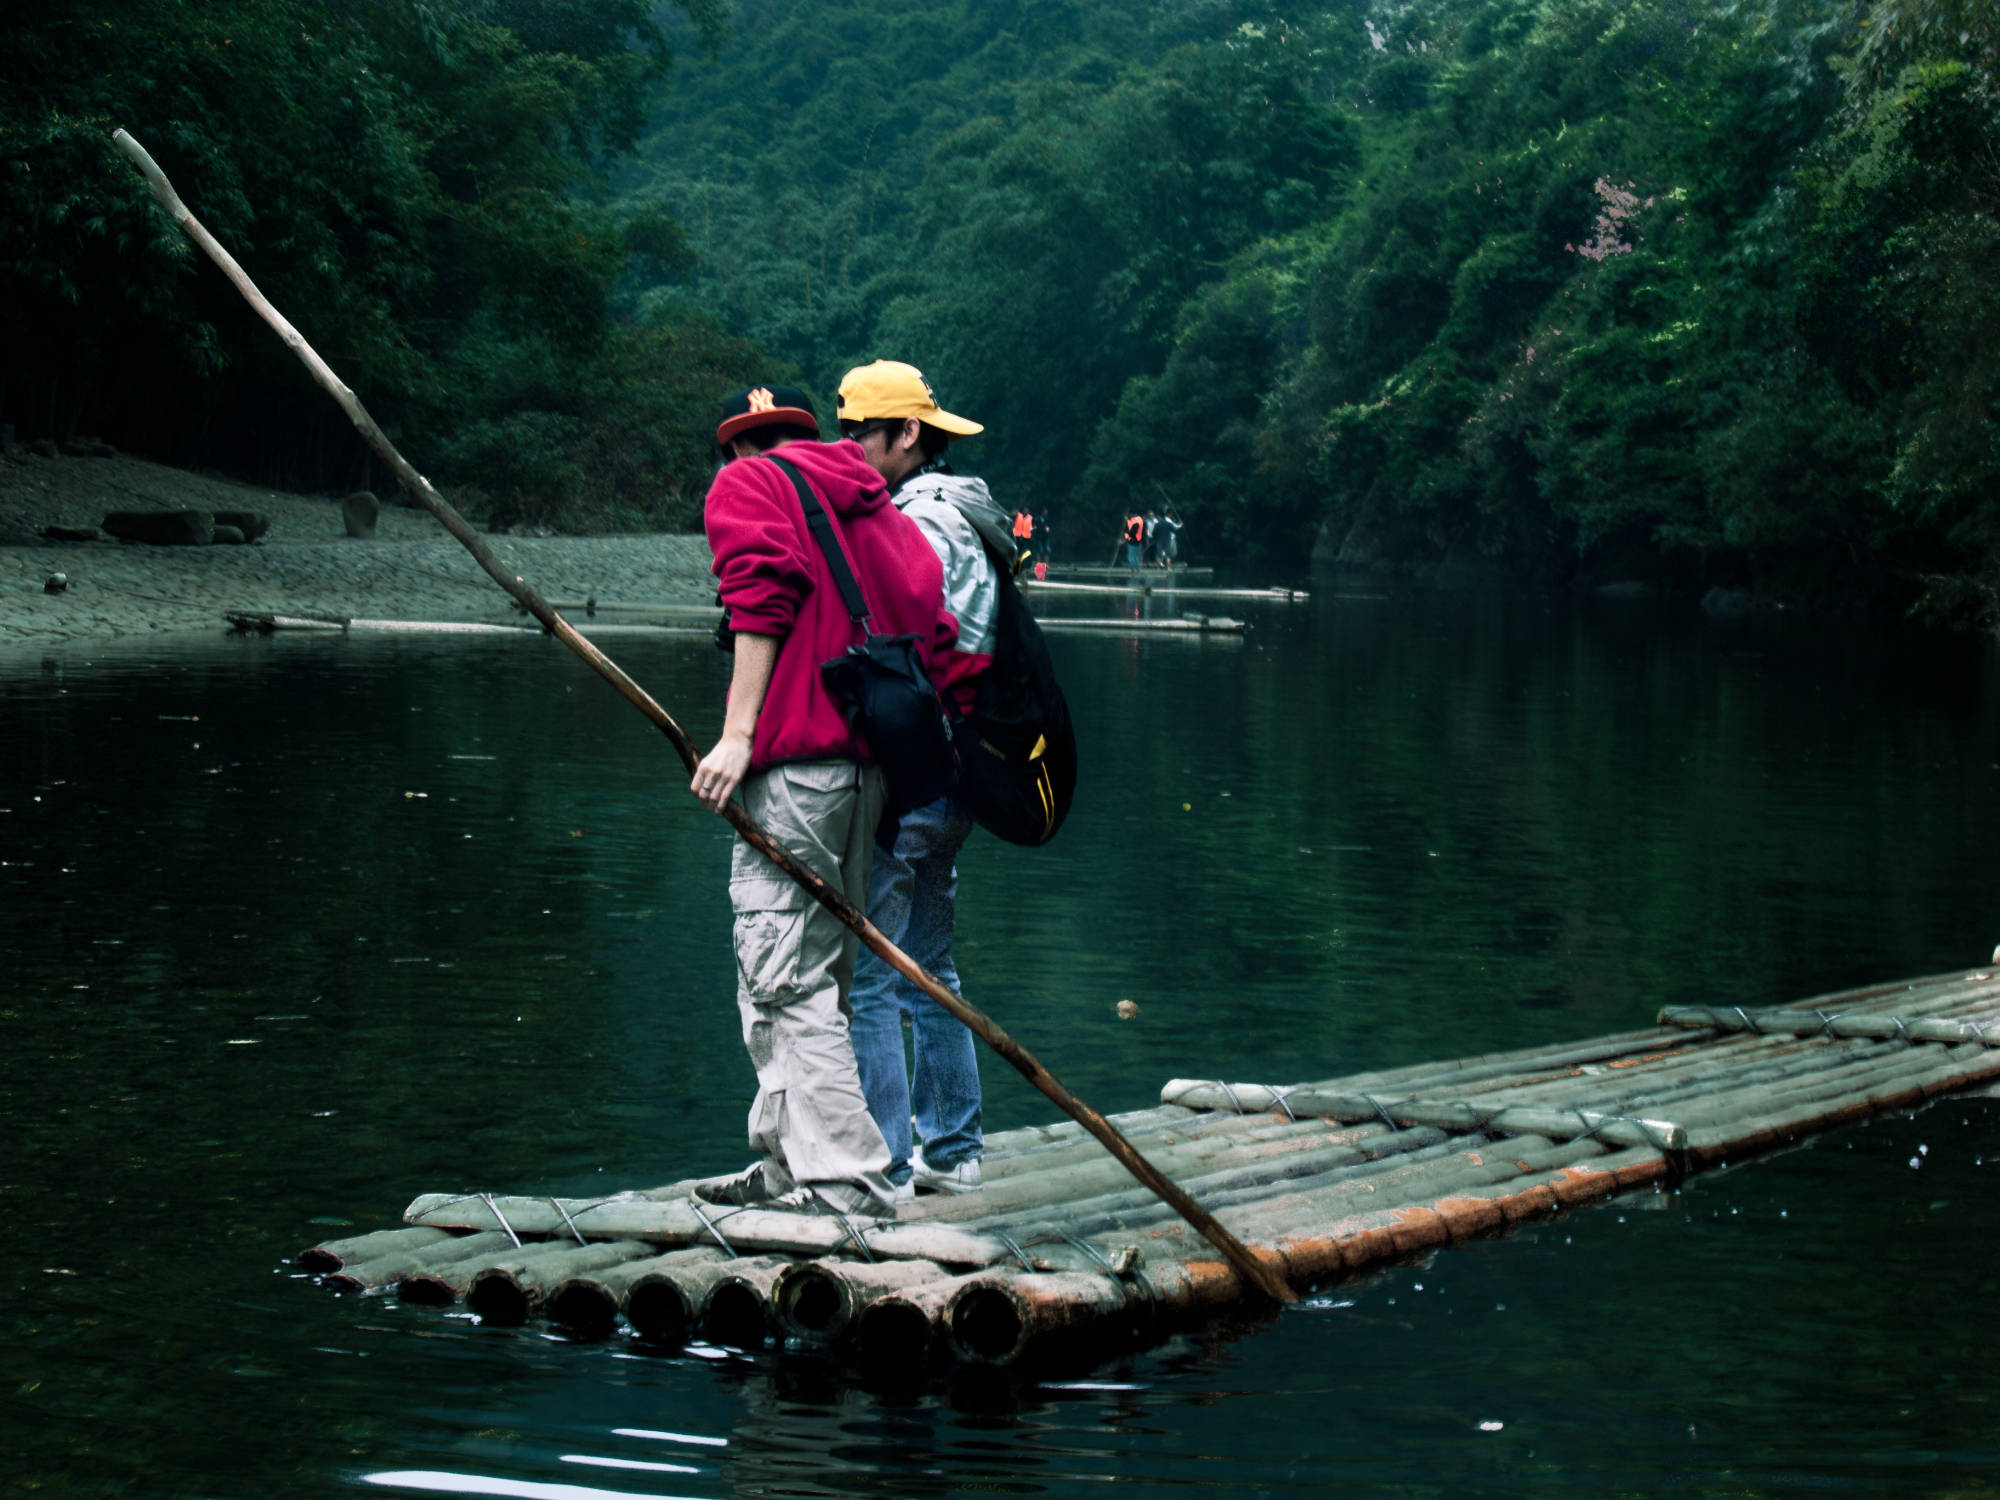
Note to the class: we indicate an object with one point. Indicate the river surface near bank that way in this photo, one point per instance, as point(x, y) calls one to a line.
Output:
point(298, 927)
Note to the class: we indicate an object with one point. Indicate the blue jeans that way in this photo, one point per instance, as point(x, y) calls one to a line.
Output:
point(912, 896)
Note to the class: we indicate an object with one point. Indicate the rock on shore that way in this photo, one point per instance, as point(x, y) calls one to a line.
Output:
point(305, 564)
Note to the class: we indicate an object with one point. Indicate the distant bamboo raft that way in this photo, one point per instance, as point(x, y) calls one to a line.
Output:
point(1189, 624)
point(1165, 585)
point(1115, 572)
point(263, 622)
point(1062, 1250)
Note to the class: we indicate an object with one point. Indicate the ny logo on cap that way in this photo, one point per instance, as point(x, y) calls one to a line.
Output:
point(761, 400)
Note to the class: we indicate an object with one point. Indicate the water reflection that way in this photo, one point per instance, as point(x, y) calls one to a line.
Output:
point(295, 929)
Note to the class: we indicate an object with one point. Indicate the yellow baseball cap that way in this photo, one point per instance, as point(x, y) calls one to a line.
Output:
point(890, 389)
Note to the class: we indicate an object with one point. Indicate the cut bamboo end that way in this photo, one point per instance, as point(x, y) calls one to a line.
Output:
point(906, 1326)
point(998, 1320)
point(819, 1300)
point(588, 1304)
point(738, 1311)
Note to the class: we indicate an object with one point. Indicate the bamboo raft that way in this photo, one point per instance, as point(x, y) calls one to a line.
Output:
point(1062, 1251)
point(1187, 624)
point(1116, 572)
point(261, 622)
point(1166, 586)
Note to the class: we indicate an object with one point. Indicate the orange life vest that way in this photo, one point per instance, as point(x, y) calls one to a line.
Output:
point(1024, 525)
point(1135, 528)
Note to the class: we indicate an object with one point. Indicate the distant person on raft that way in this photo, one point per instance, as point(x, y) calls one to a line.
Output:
point(807, 780)
point(888, 411)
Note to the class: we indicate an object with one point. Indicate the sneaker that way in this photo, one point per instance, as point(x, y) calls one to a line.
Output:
point(906, 1190)
point(738, 1189)
point(961, 1178)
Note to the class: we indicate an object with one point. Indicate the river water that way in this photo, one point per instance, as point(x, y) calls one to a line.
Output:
point(296, 928)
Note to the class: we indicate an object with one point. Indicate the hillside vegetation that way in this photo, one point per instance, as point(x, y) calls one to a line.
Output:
point(1699, 292)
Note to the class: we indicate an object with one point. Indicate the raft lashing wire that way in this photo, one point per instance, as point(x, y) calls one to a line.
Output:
point(1063, 1250)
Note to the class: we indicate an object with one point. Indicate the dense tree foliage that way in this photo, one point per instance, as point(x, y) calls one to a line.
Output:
point(1661, 288)
point(411, 183)
point(1701, 292)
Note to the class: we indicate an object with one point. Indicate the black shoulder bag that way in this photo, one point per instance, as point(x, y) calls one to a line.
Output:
point(882, 685)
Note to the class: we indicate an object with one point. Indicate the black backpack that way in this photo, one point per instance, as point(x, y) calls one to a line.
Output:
point(1017, 748)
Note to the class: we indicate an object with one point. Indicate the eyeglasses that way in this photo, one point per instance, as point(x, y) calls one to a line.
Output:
point(856, 431)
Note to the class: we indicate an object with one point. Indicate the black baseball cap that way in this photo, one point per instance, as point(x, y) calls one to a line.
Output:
point(765, 406)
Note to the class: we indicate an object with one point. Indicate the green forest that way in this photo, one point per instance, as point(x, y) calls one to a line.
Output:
point(1690, 293)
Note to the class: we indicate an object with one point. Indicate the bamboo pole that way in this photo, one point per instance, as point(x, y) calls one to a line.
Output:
point(1453, 1114)
point(1005, 1143)
point(588, 1303)
point(833, 900)
point(441, 1283)
point(380, 1270)
point(506, 1295)
point(1741, 1135)
point(1801, 1023)
point(1458, 1073)
point(1084, 1150)
point(1131, 1213)
point(333, 1254)
point(1889, 992)
point(1088, 1179)
point(1079, 1198)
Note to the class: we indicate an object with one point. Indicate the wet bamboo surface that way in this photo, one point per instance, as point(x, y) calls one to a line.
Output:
point(1063, 1251)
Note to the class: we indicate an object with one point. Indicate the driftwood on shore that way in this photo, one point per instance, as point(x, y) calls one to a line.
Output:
point(1061, 1250)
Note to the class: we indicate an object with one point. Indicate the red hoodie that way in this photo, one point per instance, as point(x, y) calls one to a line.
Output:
point(775, 581)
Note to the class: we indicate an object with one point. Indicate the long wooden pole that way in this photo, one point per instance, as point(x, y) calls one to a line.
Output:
point(1255, 1271)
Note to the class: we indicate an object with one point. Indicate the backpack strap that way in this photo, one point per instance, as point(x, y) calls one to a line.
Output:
point(821, 526)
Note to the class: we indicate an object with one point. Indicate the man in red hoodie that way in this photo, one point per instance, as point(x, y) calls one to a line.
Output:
point(807, 780)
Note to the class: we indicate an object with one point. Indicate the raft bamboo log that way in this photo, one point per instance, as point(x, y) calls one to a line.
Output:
point(666, 1305)
point(1089, 1179)
point(738, 1311)
point(508, 1294)
point(901, 1328)
point(1876, 996)
point(833, 900)
point(669, 1222)
point(442, 1284)
point(588, 1303)
point(1890, 1027)
point(1453, 1077)
point(1442, 1113)
point(334, 1254)
point(1216, 1132)
point(996, 1319)
point(383, 1270)
point(1742, 1135)
point(1243, 1174)
point(1129, 1213)
point(819, 1300)
point(1005, 1143)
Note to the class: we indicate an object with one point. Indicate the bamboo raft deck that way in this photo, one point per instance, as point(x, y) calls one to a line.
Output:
point(1063, 1250)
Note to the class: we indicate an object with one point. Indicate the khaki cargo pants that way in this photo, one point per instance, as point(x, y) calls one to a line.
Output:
point(794, 963)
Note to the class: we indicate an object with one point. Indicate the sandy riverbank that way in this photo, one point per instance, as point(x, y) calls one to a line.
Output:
point(305, 564)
